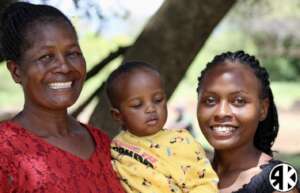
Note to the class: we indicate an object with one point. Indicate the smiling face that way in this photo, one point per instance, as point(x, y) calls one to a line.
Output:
point(142, 106)
point(51, 70)
point(230, 106)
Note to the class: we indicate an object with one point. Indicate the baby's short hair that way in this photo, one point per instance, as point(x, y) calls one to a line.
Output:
point(124, 68)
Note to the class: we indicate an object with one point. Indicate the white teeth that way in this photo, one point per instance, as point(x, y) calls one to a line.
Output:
point(223, 129)
point(60, 85)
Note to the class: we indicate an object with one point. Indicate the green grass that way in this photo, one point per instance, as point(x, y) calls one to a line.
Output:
point(293, 159)
point(286, 93)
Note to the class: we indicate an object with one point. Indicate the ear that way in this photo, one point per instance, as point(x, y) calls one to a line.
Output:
point(264, 109)
point(15, 70)
point(116, 114)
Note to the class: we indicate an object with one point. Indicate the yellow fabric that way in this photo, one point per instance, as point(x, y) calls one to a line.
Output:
point(166, 162)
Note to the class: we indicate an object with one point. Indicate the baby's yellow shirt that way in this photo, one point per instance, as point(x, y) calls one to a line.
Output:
point(169, 161)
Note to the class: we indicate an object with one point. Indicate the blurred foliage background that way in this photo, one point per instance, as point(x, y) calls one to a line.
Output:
point(268, 29)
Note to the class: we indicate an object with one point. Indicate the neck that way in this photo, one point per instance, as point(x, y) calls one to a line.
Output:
point(236, 159)
point(45, 123)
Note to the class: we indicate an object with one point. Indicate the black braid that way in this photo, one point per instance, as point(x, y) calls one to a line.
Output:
point(124, 68)
point(267, 129)
point(17, 22)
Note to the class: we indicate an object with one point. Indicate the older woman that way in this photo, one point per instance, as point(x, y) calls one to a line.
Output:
point(43, 149)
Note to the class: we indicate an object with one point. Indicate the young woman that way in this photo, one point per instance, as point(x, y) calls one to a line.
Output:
point(43, 149)
point(238, 116)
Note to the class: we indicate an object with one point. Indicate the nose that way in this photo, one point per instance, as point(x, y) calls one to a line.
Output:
point(223, 112)
point(62, 64)
point(150, 108)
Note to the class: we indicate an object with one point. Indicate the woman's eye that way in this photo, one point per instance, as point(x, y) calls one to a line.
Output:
point(74, 54)
point(45, 58)
point(239, 101)
point(210, 101)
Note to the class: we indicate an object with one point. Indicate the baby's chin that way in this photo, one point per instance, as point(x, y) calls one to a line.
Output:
point(145, 132)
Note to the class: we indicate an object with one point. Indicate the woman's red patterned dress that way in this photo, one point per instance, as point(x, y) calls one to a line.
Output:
point(29, 164)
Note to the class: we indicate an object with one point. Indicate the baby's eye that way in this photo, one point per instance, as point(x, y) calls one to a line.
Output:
point(239, 101)
point(136, 104)
point(210, 101)
point(158, 99)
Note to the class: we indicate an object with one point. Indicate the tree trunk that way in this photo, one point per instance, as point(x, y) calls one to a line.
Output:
point(170, 40)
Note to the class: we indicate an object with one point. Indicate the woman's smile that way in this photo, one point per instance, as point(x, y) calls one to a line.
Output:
point(60, 85)
point(223, 131)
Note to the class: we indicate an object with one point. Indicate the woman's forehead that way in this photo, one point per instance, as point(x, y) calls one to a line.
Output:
point(234, 69)
point(229, 76)
point(41, 32)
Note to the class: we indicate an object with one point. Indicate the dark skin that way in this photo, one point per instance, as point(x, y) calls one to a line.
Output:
point(229, 109)
point(140, 95)
point(51, 72)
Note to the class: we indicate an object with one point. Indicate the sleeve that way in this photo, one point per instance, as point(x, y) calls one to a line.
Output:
point(3, 181)
point(6, 179)
point(198, 173)
point(8, 170)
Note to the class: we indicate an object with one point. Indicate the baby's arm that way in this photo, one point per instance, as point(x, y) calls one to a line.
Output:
point(197, 170)
point(206, 179)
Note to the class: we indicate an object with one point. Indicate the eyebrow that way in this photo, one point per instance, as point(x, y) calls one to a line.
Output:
point(240, 91)
point(133, 99)
point(154, 93)
point(232, 93)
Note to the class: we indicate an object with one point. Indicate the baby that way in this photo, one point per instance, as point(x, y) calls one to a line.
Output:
point(147, 157)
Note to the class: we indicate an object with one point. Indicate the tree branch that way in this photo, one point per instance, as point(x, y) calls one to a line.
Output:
point(87, 101)
point(105, 61)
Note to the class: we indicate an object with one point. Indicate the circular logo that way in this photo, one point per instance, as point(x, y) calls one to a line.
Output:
point(283, 177)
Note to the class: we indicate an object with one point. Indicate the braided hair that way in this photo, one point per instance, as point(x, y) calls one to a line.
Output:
point(125, 68)
point(267, 129)
point(17, 22)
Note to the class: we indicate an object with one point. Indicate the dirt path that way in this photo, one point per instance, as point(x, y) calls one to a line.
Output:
point(288, 140)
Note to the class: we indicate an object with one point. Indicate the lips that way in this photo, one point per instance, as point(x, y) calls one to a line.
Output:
point(152, 120)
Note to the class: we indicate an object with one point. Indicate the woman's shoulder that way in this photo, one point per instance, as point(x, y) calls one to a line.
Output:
point(6, 124)
point(9, 131)
point(98, 135)
point(260, 182)
point(12, 138)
